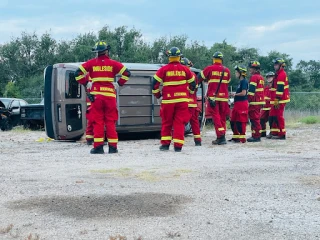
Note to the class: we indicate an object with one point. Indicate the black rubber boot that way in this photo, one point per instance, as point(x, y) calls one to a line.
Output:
point(269, 136)
point(89, 142)
point(164, 147)
point(197, 143)
point(97, 150)
point(279, 137)
point(263, 134)
point(112, 149)
point(220, 141)
point(234, 140)
point(252, 139)
point(177, 149)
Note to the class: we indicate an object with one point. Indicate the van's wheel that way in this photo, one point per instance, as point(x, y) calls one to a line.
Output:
point(187, 128)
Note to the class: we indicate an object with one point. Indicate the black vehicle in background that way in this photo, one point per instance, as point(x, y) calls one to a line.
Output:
point(32, 115)
point(10, 115)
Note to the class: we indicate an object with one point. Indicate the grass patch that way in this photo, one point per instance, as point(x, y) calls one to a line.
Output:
point(20, 129)
point(310, 120)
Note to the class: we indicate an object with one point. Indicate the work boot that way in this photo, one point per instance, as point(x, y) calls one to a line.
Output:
point(177, 149)
point(197, 143)
point(164, 147)
point(220, 141)
point(263, 134)
point(89, 142)
point(97, 150)
point(234, 140)
point(279, 137)
point(112, 149)
point(252, 139)
point(269, 136)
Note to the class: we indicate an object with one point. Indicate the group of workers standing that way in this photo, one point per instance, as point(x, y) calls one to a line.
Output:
point(253, 99)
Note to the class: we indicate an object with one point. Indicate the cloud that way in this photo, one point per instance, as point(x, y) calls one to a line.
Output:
point(262, 30)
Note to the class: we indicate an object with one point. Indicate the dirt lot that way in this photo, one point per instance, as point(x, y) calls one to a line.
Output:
point(57, 190)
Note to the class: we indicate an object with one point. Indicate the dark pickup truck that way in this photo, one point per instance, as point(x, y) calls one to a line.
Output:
point(32, 116)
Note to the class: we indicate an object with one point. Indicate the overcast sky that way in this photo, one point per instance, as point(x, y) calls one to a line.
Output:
point(291, 27)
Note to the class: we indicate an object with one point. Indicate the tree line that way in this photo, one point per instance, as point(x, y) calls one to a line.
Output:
point(23, 59)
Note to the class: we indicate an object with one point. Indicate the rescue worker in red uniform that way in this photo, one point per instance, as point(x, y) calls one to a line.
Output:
point(256, 100)
point(174, 112)
point(239, 114)
point(193, 107)
point(264, 118)
point(103, 111)
point(89, 129)
point(280, 95)
point(218, 102)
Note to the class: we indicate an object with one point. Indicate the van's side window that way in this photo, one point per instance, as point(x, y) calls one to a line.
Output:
point(73, 88)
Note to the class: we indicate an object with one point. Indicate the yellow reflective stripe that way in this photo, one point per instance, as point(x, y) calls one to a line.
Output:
point(178, 141)
point(219, 99)
point(104, 94)
point(192, 105)
point(259, 90)
point(257, 103)
point(166, 138)
point(218, 80)
point(275, 130)
point(174, 83)
point(83, 70)
point(88, 103)
point(102, 79)
point(175, 100)
point(202, 75)
point(191, 92)
point(122, 70)
point(238, 136)
point(279, 93)
point(273, 89)
point(197, 136)
point(263, 131)
point(253, 83)
point(79, 77)
point(267, 98)
point(156, 91)
point(191, 80)
point(283, 130)
point(89, 136)
point(284, 101)
point(281, 83)
point(157, 78)
point(220, 129)
point(285, 87)
point(266, 109)
point(125, 77)
point(112, 140)
point(98, 139)
point(250, 94)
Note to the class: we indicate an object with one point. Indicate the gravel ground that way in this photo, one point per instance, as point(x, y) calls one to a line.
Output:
point(57, 190)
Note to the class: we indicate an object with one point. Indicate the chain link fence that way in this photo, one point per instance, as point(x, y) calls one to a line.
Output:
point(303, 104)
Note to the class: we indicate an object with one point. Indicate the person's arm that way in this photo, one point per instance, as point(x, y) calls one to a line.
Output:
point(124, 72)
point(157, 79)
point(81, 72)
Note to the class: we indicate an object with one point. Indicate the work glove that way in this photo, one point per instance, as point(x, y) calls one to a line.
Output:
point(159, 100)
point(116, 85)
point(89, 85)
point(276, 103)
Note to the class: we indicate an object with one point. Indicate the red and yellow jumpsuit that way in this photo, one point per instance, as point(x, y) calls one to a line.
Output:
point(256, 100)
point(265, 111)
point(174, 111)
point(194, 112)
point(221, 110)
point(239, 114)
point(104, 112)
point(280, 92)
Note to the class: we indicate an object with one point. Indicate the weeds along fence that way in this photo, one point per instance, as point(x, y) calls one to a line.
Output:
point(303, 104)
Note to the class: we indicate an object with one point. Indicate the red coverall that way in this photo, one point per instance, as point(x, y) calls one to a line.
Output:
point(239, 114)
point(256, 100)
point(220, 112)
point(194, 112)
point(264, 117)
point(175, 97)
point(103, 110)
point(280, 91)
point(89, 129)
